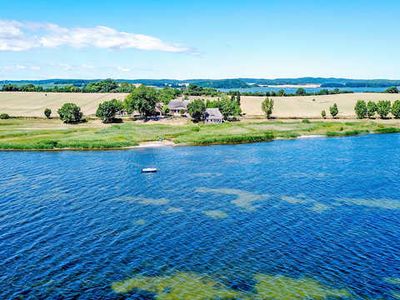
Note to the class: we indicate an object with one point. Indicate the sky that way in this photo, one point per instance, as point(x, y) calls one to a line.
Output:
point(178, 39)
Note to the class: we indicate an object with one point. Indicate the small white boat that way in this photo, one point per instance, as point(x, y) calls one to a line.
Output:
point(149, 170)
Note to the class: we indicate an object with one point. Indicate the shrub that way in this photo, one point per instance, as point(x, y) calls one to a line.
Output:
point(108, 109)
point(306, 121)
point(396, 109)
point(383, 108)
point(4, 116)
point(371, 109)
point(267, 107)
point(392, 90)
point(323, 114)
point(361, 109)
point(47, 113)
point(70, 113)
point(334, 110)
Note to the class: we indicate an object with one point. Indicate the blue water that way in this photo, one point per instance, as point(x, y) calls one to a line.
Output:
point(72, 223)
point(308, 90)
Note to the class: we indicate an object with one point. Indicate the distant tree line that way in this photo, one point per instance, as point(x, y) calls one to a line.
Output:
point(299, 92)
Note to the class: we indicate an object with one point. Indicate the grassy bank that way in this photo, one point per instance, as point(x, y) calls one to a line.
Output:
point(41, 134)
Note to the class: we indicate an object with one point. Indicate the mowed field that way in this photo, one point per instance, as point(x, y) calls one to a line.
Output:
point(33, 104)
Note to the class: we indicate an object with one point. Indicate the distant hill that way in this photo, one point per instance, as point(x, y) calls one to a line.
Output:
point(224, 83)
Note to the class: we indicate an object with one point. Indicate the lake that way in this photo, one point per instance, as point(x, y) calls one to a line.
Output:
point(297, 219)
point(292, 90)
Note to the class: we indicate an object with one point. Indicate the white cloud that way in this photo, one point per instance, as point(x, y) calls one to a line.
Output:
point(123, 69)
point(22, 36)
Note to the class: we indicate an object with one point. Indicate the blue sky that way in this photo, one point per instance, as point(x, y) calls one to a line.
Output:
point(199, 39)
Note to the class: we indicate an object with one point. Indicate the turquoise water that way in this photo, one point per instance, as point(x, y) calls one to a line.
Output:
point(299, 219)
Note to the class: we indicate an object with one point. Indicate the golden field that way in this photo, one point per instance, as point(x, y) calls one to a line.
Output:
point(33, 104)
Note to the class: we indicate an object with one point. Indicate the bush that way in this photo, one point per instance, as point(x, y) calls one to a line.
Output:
point(197, 109)
point(396, 109)
point(334, 110)
point(323, 114)
point(267, 107)
point(361, 109)
point(306, 121)
point(371, 109)
point(383, 108)
point(4, 116)
point(70, 113)
point(47, 113)
point(392, 90)
point(108, 109)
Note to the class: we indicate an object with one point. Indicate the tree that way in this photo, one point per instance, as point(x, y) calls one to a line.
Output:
point(4, 116)
point(108, 109)
point(228, 107)
point(323, 114)
point(361, 109)
point(143, 99)
point(396, 109)
point(47, 113)
point(70, 113)
point(392, 90)
point(300, 92)
point(383, 108)
point(197, 109)
point(371, 109)
point(281, 93)
point(334, 110)
point(267, 106)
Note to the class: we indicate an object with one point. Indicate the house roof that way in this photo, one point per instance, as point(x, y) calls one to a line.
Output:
point(178, 104)
point(213, 114)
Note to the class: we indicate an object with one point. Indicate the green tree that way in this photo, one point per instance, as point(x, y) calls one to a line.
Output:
point(396, 109)
point(4, 116)
point(371, 109)
point(143, 99)
point(323, 114)
point(361, 109)
point(281, 93)
point(383, 108)
point(196, 109)
point(301, 92)
point(267, 106)
point(165, 95)
point(228, 107)
point(47, 113)
point(392, 90)
point(334, 110)
point(70, 113)
point(108, 109)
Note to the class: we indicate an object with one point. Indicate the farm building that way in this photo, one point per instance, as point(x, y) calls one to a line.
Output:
point(213, 115)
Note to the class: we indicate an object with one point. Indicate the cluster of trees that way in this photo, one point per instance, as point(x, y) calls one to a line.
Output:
point(228, 106)
point(195, 90)
point(383, 108)
point(103, 86)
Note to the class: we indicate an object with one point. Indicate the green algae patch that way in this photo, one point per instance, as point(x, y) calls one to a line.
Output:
point(183, 286)
point(140, 222)
point(286, 288)
point(216, 214)
point(372, 203)
point(394, 281)
point(243, 199)
point(173, 210)
point(144, 201)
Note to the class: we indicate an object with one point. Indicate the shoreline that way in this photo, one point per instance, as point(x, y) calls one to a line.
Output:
point(167, 143)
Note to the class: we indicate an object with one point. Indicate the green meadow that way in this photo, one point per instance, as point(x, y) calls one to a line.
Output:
point(42, 134)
